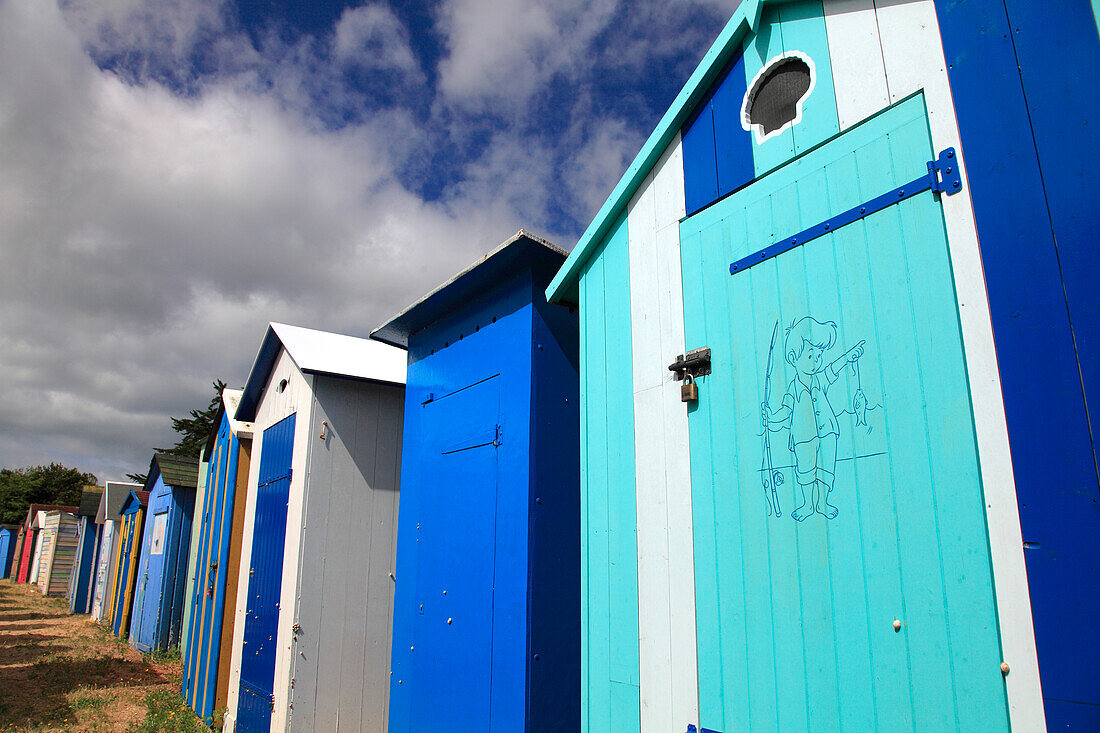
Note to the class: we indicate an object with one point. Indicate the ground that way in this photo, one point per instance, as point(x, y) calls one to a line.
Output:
point(62, 672)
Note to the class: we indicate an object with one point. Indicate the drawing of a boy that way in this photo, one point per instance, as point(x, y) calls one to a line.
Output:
point(808, 413)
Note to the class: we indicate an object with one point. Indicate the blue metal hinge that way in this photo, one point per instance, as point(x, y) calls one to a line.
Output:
point(942, 176)
point(693, 729)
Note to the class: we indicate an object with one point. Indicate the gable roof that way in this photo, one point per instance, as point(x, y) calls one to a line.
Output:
point(110, 504)
point(320, 352)
point(231, 400)
point(522, 248)
point(89, 501)
point(744, 21)
point(34, 509)
point(133, 501)
point(174, 470)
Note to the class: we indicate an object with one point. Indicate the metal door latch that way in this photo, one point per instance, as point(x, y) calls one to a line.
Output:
point(695, 363)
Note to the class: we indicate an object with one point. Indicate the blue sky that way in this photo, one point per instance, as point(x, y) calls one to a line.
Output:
point(180, 172)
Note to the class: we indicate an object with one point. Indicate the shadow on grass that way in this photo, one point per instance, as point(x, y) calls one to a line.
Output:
point(27, 616)
point(35, 694)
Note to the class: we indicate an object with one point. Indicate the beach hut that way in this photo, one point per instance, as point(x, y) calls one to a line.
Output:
point(82, 580)
point(827, 292)
point(60, 532)
point(9, 536)
point(108, 518)
point(311, 638)
point(38, 526)
point(126, 560)
point(162, 561)
point(216, 567)
point(486, 632)
point(27, 543)
point(192, 551)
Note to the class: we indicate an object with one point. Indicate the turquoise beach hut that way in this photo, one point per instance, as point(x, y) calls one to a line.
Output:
point(838, 323)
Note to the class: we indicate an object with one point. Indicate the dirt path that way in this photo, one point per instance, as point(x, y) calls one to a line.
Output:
point(65, 673)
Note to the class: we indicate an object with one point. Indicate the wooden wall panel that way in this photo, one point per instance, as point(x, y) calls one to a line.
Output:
point(609, 554)
point(666, 579)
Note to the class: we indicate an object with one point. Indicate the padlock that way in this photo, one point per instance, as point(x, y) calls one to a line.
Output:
point(689, 391)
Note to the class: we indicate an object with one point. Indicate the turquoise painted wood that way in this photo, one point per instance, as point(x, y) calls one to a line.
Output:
point(609, 555)
point(796, 611)
point(786, 27)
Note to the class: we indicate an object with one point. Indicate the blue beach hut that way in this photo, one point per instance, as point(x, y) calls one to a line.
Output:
point(207, 651)
point(838, 322)
point(162, 565)
point(81, 583)
point(9, 534)
point(126, 560)
point(487, 597)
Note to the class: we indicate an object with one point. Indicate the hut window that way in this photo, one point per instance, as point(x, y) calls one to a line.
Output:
point(774, 100)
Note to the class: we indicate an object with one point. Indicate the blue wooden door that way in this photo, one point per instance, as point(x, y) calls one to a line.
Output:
point(265, 579)
point(148, 595)
point(842, 563)
point(129, 536)
point(450, 659)
point(208, 595)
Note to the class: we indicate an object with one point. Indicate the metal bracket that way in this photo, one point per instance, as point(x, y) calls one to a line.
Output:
point(695, 362)
point(951, 183)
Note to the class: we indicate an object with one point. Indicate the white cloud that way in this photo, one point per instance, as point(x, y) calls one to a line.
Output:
point(508, 49)
point(149, 237)
point(371, 36)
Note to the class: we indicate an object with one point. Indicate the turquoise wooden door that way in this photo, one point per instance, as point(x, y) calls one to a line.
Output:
point(842, 565)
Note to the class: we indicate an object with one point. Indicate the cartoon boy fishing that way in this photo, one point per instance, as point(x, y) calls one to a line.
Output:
point(807, 412)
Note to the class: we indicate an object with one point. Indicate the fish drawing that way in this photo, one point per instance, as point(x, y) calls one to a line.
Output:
point(859, 407)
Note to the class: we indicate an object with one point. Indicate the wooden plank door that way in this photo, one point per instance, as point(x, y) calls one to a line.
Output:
point(265, 579)
point(842, 562)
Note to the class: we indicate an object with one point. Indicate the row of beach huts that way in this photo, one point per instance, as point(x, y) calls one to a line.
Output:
point(797, 437)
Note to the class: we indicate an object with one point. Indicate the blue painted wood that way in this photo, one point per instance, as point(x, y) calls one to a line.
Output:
point(212, 574)
point(732, 145)
point(795, 617)
point(265, 579)
point(1031, 65)
point(485, 632)
point(83, 565)
point(717, 150)
point(133, 514)
point(700, 158)
point(7, 551)
point(158, 596)
point(609, 564)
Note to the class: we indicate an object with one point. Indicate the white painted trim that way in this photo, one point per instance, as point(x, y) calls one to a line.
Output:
point(274, 406)
point(750, 95)
point(668, 665)
point(913, 57)
point(855, 53)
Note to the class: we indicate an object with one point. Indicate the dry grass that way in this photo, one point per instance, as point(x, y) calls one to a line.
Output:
point(65, 673)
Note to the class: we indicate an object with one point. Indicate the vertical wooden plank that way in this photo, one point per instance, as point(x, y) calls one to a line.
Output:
point(593, 385)
point(385, 454)
point(855, 55)
point(913, 56)
point(669, 209)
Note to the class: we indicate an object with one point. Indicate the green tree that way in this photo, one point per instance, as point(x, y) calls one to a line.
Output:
point(193, 430)
point(52, 484)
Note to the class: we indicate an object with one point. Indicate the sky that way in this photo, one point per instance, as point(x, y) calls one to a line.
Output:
point(174, 174)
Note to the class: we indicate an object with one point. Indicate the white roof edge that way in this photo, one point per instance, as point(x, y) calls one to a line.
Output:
point(323, 352)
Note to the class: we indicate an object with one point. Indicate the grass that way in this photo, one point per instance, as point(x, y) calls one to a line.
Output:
point(166, 712)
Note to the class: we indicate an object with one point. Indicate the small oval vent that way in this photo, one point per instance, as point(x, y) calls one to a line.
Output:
point(774, 100)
